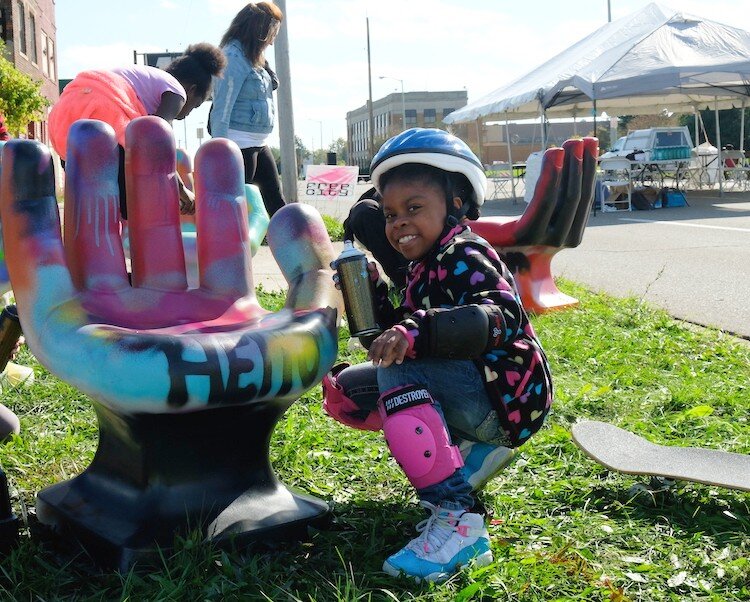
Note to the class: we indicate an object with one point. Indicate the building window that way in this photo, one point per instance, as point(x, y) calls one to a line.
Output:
point(447, 112)
point(48, 57)
point(3, 25)
point(45, 66)
point(411, 117)
point(22, 44)
point(430, 116)
point(32, 39)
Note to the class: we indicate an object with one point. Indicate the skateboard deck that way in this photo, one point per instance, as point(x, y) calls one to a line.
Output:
point(626, 452)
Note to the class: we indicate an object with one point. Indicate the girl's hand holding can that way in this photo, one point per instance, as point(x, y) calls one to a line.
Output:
point(389, 347)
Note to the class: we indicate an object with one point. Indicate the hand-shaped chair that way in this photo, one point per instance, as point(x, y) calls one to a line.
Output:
point(553, 220)
point(4, 278)
point(187, 383)
point(14, 373)
point(257, 217)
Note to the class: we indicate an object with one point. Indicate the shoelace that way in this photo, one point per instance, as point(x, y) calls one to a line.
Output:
point(435, 530)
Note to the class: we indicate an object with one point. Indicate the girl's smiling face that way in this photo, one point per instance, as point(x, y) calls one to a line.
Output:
point(415, 215)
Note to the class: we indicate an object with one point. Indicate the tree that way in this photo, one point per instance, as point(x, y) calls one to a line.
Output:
point(20, 98)
point(276, 152)
point(729, 124)
point(301, 150)
point(644, 122)
point(320, 156)
point(342, 153)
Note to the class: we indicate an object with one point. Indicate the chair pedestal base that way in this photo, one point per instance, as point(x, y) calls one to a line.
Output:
point(532, 270)
point(156, 476)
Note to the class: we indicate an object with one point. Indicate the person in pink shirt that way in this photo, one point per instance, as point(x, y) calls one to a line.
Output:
point(120, 95)
point(4, 135)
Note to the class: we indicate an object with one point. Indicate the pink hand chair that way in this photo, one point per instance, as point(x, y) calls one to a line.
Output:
point(187, 383)
point(554, 219)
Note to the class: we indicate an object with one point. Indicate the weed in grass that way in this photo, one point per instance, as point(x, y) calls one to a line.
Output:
point(563, 527)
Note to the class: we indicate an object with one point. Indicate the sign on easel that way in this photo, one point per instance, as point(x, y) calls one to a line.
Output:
point(330, 182)
point(330, 188)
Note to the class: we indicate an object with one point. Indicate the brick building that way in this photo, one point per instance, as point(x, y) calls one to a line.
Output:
point(28, 29)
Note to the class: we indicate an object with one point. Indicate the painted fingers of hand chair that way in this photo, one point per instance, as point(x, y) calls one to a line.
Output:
point(553, 220)
point(187, 383)
point(257, 219)
point(4, 278)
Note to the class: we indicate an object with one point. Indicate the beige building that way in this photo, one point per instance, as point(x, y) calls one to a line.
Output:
point(395, 113)
point(427, 109)
point(526, 138)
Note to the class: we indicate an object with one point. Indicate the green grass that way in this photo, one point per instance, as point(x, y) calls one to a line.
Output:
point(564, 528)
point(335, 228)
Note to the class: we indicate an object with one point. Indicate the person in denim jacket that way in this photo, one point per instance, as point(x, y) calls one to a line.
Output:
point(243, 108)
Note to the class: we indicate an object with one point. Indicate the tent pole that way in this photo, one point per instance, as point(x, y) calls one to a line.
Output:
point(479, 139)
point(718, 145)
point(697, 131)
point(510, 159)
point(544, 130)
point(742, 128)
point(594, 113)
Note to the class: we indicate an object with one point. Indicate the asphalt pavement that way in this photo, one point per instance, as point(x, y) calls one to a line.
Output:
point(693, 261)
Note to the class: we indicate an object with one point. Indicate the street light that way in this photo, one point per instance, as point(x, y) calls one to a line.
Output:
point(403, 101)
point(321, 135)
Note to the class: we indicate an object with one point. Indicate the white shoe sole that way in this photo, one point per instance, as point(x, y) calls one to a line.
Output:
point(483, 559)
point(496, 462)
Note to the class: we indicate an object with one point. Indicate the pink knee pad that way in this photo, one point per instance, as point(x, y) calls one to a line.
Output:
point(417, 437)
point(339, 407)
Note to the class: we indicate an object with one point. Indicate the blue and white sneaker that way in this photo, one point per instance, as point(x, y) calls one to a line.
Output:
point(483, 462)
point(449, 540)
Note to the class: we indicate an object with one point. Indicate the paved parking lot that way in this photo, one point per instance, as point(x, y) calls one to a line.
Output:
point(692, 261)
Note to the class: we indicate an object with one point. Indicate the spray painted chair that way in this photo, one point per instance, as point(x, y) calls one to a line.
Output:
point(257, 219)
point(187, 383)
point(554, 219)
point(15, 374)
point(4, 278)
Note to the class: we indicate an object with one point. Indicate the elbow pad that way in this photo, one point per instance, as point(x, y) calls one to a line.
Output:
point(463, 332)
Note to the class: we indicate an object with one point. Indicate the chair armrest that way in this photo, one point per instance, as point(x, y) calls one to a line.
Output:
point(498, 231)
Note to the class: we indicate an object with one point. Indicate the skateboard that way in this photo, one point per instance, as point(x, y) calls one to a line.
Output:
point(626, 452)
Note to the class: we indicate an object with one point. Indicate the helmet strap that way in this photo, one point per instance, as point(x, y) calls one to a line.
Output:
point(454, 218)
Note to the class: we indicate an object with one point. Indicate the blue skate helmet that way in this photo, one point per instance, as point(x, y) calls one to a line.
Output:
point(437, 148)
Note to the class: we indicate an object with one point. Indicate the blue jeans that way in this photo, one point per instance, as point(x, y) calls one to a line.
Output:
point(460, 398)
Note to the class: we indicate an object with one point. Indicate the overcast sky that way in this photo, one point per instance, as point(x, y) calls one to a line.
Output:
point(477, 45)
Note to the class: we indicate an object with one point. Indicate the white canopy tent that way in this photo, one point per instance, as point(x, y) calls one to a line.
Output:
point(654, 59)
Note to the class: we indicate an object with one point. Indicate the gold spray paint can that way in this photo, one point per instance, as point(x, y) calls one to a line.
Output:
point(356, 287)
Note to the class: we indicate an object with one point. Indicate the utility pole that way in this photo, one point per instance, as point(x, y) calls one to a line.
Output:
point(371, 140)
point(286, 112)
point(403, 100)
